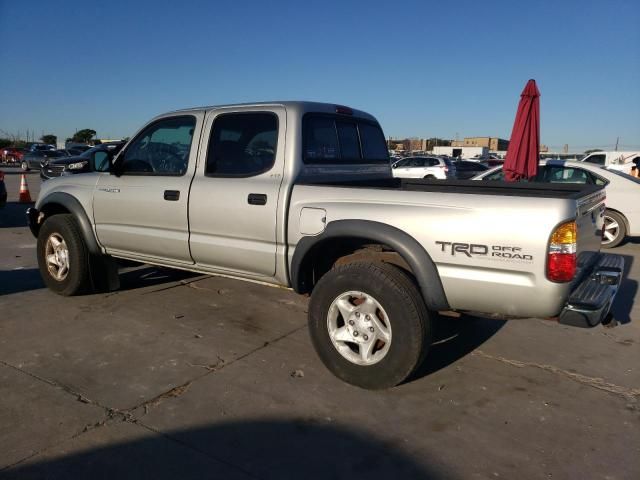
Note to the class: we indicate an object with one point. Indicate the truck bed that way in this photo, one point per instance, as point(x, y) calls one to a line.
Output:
point(473, 187)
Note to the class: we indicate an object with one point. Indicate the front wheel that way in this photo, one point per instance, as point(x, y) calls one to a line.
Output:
point(369, 324)
point(614, 229)
point(24, 166)
point(63, 257)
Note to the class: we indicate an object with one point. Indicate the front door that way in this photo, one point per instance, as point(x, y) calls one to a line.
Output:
point(234, 197)
point(143, 212)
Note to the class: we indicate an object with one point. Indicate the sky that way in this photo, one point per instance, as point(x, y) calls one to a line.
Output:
point(423, 68)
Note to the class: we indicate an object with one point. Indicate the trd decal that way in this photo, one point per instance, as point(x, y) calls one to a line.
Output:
point(475, 250)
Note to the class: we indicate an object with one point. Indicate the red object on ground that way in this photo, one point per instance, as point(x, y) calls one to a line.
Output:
point(25, 196)
point(524, 146)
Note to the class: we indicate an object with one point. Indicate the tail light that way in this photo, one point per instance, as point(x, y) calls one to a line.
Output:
point(561, 257)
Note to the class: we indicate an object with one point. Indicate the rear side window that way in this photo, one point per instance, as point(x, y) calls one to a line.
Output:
point(329, 139)
point(242, 145)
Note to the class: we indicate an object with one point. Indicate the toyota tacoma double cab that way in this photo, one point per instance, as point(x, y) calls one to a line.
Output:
point(301, 194)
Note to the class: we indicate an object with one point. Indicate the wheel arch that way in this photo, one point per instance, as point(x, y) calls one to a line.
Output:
point(60, 202)
point(314, 256)
point(624, 218)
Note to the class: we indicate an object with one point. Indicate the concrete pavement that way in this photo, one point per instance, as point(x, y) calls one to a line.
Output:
point(183, 376)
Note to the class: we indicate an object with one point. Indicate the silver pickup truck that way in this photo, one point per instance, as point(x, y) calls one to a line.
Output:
point(301, 194)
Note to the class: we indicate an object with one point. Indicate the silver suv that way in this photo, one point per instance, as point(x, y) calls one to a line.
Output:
point(430, 167)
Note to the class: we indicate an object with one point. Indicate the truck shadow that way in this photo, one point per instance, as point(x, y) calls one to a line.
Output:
point(131, 278)
point(455, 338)
point(287, 448)
point(14, 281)
point(141, 276)
point(14, 215)
point(623, 304)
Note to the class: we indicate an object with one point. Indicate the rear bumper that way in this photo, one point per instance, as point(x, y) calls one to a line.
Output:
point(591, 299)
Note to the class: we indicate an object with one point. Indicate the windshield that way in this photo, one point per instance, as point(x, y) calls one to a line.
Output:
point(115, 148)
point(91, 151)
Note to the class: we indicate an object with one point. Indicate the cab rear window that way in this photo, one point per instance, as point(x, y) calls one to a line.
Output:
point(332, 139)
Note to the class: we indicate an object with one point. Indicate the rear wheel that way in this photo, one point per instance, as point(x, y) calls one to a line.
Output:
point(24, 166)
point(369, 324)
point(614, 229)
point(63, 257)
point(429, 177)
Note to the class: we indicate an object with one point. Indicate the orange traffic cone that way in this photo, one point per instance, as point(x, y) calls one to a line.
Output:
point(25, 196)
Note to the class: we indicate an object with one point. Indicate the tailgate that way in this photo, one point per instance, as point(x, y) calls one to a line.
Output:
point(589, 220)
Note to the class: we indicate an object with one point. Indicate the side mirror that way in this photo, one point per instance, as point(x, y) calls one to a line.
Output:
point(101, 162)
point(115, 163)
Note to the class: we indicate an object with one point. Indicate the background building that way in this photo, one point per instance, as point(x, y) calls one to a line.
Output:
point(494, 144)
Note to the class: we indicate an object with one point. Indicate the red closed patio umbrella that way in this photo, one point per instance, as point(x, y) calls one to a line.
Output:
point(524, 145)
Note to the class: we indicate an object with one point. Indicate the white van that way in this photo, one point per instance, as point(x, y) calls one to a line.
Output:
point(622, 161)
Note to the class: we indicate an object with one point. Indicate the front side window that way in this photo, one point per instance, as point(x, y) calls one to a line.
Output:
point(161, 149)
point(597, 159)
point(403, 163)
point(242, 144)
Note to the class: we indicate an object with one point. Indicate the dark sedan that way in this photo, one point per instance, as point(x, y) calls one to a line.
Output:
point(32, 160)
point(466, 169)
point(94, 159)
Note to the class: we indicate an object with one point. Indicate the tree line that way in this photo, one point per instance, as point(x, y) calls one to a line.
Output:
point(81, 136)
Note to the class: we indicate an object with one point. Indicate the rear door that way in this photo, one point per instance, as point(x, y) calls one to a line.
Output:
point(143, 212)
point(234, 197)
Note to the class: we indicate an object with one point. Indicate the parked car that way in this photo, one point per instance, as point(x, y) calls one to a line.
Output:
point(94, 159)
point(12, 154)
point(33, 160)
point(212, 190)
point(77, 148)
point(424, 167)
point(3, 190)
point(622, 215)
point(614, 160)
point(37, 147)
point(466, 169)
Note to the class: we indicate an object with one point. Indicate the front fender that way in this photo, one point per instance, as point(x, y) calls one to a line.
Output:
point(53, 202)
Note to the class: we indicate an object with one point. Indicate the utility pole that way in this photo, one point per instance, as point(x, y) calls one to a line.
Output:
point(617, 140)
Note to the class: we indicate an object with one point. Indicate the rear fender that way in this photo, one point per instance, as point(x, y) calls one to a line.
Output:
point(422, 266)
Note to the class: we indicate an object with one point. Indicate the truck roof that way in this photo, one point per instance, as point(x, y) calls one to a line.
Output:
point(296, 107)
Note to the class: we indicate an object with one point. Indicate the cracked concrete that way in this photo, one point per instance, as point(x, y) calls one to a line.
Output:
point(180, 376)
point(629, 393)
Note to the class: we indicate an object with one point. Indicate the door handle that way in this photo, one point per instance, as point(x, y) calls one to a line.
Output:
point(172, 195)
point(257, 199)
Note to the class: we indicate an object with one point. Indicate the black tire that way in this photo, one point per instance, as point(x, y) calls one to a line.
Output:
point(429, 177)
point(24, 166)
point(408, 318)
point(613, 218)
point(78, 278)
